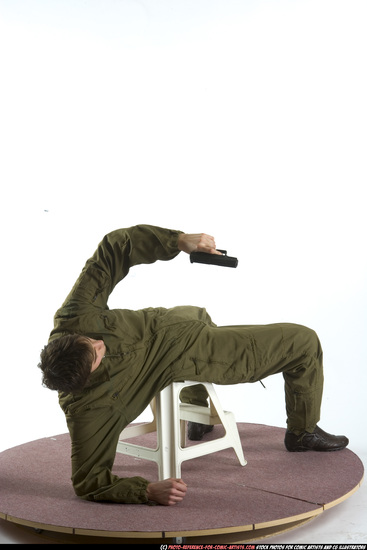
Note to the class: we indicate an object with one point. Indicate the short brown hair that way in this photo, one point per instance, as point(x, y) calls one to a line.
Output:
point(66, 363)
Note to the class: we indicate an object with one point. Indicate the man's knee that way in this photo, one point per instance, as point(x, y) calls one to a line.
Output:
point(307, 339)
point(313, 341)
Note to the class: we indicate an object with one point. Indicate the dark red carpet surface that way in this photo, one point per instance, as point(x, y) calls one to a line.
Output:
point(275, 484)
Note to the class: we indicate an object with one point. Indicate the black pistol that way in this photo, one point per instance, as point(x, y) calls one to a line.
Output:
point(214, 259)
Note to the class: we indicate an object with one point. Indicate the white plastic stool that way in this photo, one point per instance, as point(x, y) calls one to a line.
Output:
point(169, 423)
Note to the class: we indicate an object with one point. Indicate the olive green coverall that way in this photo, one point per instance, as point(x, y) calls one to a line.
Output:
point(150, 348)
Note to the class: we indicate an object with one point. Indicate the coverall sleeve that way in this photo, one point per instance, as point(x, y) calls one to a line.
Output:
point(115, 255)
point(94, 425)
point(93, 456)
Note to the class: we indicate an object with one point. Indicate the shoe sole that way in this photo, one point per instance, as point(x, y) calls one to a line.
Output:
point(305, 449)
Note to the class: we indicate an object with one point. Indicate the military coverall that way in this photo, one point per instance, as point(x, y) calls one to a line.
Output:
point(150, 348)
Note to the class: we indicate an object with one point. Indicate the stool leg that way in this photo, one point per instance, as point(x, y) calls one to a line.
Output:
point(229, 422)
point(235, 438)
point(183, 433)
point(167, 433)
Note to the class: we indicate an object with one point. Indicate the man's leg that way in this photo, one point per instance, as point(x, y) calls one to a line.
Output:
point(302, 368)
point(196, 395)
point(231, 355)
point(303, 394)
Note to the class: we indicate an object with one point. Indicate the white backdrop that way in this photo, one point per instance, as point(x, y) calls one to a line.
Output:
point(246, 120)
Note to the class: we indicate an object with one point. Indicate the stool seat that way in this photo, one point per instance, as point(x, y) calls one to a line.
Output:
point(169, 418)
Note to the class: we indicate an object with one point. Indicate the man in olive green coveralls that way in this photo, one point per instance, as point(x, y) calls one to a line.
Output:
point(135, 354)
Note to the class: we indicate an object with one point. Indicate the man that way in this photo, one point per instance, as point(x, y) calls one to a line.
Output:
point(107, 365)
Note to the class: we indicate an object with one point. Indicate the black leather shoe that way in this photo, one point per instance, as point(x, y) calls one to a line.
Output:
point(195, 431)
point(318, 440)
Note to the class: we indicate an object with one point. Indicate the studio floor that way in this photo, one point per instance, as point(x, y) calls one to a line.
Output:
point(277, 497)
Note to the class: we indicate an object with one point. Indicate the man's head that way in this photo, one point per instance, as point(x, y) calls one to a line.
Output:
point(67, 362)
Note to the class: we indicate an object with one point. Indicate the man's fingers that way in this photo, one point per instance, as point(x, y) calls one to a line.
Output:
point(207, 244)
point(178, 490)
point(197, 242)
point(167, 492)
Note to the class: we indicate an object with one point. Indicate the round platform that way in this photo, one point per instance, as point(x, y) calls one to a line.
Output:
point(226, 502)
